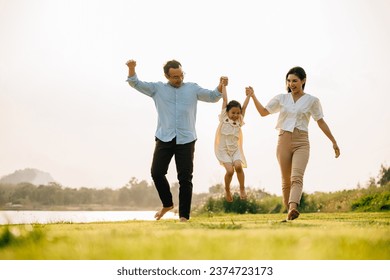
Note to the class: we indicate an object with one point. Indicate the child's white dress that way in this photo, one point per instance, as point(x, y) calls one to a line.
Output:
point(228, 140)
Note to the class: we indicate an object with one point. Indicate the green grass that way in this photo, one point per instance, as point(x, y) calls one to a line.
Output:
point(319, 236)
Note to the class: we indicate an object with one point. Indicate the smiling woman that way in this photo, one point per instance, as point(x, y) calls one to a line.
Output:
point(295, 109)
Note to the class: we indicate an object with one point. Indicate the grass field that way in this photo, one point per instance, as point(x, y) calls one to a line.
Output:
point(319, 236)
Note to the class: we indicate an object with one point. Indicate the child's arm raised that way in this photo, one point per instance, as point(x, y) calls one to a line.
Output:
point(223, 82)
point(224, 96)
point(247, 99)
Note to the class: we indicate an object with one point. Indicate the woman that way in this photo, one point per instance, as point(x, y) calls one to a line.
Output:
point(295, 109)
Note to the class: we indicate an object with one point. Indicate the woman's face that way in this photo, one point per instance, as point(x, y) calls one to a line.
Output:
point(295, 84)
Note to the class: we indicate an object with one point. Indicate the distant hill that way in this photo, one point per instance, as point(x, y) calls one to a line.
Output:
point(28, 175)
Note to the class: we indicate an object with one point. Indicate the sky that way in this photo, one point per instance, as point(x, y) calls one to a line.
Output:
point(66, 109)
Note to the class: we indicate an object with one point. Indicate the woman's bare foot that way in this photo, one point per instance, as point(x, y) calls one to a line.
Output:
point(183, 220)
point(228, 195)
point(162, 212)
point(243, 195)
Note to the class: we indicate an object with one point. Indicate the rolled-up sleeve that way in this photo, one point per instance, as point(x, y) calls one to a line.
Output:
point(207, 95)
point(146, 88)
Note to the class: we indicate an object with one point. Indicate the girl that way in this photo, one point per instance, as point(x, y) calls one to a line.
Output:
point(295, 109)
point(228, 142)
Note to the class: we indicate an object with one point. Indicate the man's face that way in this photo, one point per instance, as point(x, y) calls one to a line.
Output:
point(175, 77)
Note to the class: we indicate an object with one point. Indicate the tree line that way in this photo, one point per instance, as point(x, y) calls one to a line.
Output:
point(142, 195)
point(135, 194)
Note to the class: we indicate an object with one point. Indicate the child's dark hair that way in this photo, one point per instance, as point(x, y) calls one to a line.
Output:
point(233, 104)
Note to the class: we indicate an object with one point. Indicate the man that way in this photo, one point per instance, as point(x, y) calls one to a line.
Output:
point(176, 104)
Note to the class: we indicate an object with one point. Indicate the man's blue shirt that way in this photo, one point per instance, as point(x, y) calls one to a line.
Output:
point(176, 107)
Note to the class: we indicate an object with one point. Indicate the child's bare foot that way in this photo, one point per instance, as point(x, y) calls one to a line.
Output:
point(243, 195)
point(183, 220)
point(228, 195)
point(162, 212)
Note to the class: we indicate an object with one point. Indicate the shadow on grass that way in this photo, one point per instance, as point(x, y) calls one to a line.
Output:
point(10, 236)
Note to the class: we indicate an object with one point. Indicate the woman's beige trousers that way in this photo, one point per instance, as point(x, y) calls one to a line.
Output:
point(293, 152)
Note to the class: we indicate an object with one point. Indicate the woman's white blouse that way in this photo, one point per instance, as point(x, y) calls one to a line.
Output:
point(295, 114)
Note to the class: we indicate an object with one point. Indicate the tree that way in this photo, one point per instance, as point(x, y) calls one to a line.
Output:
point(384, 175)
point(124, 196)
point(216, 189)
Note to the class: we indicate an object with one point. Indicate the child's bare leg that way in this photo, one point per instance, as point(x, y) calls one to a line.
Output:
point(241, 178)
point(228, 179)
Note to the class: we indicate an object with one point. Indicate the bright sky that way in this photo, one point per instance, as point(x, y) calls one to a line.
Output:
point(66, 109)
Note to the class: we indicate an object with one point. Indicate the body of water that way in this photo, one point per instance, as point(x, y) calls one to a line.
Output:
point(47, 217)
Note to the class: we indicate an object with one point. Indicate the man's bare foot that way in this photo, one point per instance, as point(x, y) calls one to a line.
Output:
point(162, 212)
point(228, 195)
point(183, 220)
point(243, 195)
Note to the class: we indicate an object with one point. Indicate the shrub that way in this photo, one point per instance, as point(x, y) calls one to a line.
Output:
point(373, 202)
